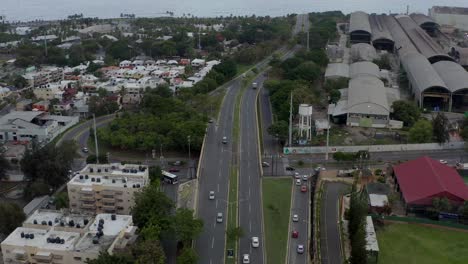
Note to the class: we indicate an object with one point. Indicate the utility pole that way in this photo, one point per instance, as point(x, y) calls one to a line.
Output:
point(328, 133)
point(199, 38)
point(190, 160)
point(307, 40)
point(95, 139)
point(290, 121)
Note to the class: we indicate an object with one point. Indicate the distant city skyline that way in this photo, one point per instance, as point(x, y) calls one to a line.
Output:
point(26, 10)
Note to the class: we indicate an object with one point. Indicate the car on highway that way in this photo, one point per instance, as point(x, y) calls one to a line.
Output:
point(85, 150)
point(443, 161)
point(246, 259)
point(305, 177)
point(219, 217)
point(295, 234)
point(265, 164)
point(300, 248)
point(174, 170)
point(255, 242)
point(303, 188)
point(211, 196)
point(177, 163)
point(210, 121)
point(224, 140)
point(298, 182)
point(295, 218)
point(289, 168)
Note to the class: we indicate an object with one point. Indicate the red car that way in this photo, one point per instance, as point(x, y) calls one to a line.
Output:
point(303, 188)
point(295, 234)
point(174, 170)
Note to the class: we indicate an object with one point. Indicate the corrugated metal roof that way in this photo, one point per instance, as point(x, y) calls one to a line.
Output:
point(423, 42)
point(337, 70)
point(402, 43)
point(359, 21)
point(367, 95)
point(363, 52)
point(453, 75)
point(379, 28)
point(420, 72)
point(423, 179)
point(364, 68)
point(422, 19)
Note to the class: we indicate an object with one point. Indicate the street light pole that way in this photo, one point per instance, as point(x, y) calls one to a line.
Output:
point(95, 139)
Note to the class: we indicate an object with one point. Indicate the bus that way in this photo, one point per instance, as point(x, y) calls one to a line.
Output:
point(170, 178)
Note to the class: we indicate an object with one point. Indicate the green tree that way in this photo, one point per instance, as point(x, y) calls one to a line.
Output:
point(383, 62)
point(4, 166)
point(421, 132)
point(188, 256)
point(187, 227)
point(152, 204)
point(463, 210)
point(441, 127)
point(35, 189)
point(308, 71)
point(441, 204)
point(61, 200)
point(356, 225)
point(406, 111)
point(234, 233)
point(106, 258)
point(19, 81)
point(279, 129)
point(148, 252)
point(12, 217)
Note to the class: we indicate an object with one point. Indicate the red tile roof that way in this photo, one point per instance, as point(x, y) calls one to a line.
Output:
point(422, 179)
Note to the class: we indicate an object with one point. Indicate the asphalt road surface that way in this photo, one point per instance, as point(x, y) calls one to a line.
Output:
point(214, 176)
point(330, 243)
point(300, 206)
point(250, 207)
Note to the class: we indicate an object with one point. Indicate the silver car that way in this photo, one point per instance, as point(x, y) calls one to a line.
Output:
point(219, 218)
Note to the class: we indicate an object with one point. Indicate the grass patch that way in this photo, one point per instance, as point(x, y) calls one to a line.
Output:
point(276, 210)
point(406, 243)
point(232, 212)
point(241, 68)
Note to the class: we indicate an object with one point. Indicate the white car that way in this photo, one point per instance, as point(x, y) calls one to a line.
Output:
point(305, 177)
point(255, 242)
point(297, 175)
point(246, 259)
point(300, 249)
point(212, 195)
point(85, 150)
point(295, 218)
point(219, 217)
point(224, 140)
point(298, 182)
point(443, 161)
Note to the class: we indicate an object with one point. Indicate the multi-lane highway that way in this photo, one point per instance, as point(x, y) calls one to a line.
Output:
point(214, 176)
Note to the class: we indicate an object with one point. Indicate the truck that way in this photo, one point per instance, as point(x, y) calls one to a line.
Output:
point(254, 85)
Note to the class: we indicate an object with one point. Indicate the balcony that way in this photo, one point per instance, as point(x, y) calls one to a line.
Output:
point(87, 198)
point(88, 206)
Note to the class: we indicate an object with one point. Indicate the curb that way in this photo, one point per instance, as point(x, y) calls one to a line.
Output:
point(293, 191)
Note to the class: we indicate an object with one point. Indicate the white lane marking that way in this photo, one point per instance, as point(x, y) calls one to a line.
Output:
point(218, 187)
point(250, 209)
point(219, 174)
point(212, 242)
point(250, 227)
point(211, 262)
point(216, 204)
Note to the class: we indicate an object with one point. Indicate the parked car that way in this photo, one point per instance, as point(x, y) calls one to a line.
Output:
point(295, 218)
point(265, 164)
point(177, 163)
point(295, 234)
point(298, 182)
point(289, 168)
point(210, 121)
point(305, 177)
point(303, 188)
point(85, 150)
point(255, 242)
point(443, 161)
point(300, 248)
point(219, 217)
point(211, 195)
point(174, 170)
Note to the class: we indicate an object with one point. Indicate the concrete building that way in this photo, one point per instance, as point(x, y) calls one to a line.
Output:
point(367, 103)
point(359, 28)
point(364, 68)
point(106, 188)
point(426, 23)
point(336, 71)
point(38, 125)
point(49, 236)
point(456, 80)
point(450, 16)
point(362, 52)
point(45, 76)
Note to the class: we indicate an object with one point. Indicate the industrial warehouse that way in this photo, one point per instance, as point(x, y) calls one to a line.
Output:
point(436, 81)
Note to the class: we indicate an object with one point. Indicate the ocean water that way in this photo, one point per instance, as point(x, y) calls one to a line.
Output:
point(56, 9)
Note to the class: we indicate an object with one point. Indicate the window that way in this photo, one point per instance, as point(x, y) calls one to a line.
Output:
point(77, 258)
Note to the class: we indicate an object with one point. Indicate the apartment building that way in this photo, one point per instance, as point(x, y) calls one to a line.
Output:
point(45, 76)
point(106, 188)
point(49, 236)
